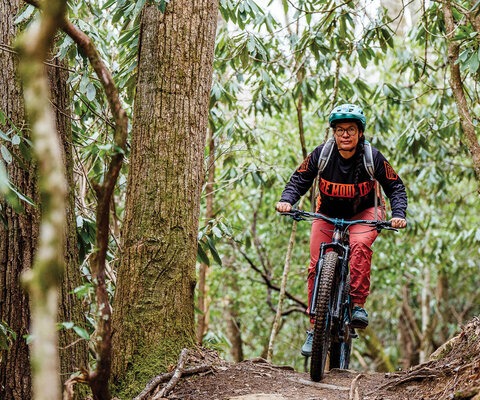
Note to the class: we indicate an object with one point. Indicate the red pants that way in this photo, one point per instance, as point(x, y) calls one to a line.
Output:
point(361, 240)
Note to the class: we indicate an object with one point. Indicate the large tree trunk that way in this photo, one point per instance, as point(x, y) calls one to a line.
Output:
point(18, 231)
point(153, 308)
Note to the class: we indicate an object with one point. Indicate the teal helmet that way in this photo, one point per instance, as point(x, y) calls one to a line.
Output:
point(349, 112)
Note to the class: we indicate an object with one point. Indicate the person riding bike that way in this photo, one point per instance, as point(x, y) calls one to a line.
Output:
point(347, 190)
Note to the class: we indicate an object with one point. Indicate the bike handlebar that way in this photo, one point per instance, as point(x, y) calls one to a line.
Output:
point(300, 215)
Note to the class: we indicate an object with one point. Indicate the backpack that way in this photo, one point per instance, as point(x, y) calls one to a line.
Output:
point(327, 152)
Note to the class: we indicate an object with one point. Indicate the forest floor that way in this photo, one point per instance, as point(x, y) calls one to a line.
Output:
point(453, 372)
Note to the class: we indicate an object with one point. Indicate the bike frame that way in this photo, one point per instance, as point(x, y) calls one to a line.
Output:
point(341, 245)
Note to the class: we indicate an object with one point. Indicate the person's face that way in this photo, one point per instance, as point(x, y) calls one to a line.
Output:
point(347, 135)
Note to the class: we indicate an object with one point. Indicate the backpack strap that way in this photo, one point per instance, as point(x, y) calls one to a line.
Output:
point(368, 159)
point(325, 154)
point(370, 167)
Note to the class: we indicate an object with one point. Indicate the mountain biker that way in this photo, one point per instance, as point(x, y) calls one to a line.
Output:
point(346, 190)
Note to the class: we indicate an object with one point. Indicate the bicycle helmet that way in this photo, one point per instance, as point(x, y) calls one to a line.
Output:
point(347, 112)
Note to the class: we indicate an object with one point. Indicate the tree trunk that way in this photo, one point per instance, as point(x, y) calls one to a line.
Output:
point(18, 231)
point(234, 333)
point(427, 322)
point(464, 111)
point(153, 308)
point(409, 333)
point(283, 287)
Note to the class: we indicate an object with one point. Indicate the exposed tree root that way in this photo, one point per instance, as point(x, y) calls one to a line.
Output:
point(414, 375)
point(261, 362)
point(353, 394)
point(68, 392)
point(173, 377)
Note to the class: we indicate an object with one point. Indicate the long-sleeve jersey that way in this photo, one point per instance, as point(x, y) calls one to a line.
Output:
point(337, 189)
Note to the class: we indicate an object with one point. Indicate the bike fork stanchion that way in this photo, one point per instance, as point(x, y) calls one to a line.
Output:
point(318, 273)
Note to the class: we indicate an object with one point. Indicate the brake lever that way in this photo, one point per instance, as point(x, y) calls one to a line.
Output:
point(297, 217)
point(294, 215)
point(391, 229)
point(387, 228)
point(383, 225)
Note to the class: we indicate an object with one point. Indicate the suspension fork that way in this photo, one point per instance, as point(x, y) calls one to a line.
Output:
point(318, 273)
point(339, 301)
point(343, 253)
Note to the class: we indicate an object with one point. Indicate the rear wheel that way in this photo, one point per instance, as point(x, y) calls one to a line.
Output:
point(321, 334)
point(340, 350)
point(340, 354)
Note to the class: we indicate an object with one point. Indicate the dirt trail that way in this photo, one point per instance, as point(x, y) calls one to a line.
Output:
point(452, 373)
point(255, 380)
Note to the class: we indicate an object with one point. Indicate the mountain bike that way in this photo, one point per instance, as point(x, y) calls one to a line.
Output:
point(331, 307)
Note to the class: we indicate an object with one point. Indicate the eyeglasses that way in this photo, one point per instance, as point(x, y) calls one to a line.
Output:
point(351, 130)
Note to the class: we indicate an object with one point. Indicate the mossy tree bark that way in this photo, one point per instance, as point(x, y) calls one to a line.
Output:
point(153, 309)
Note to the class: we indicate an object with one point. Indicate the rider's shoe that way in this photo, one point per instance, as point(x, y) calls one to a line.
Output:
point(307, 346)
point(359, 318)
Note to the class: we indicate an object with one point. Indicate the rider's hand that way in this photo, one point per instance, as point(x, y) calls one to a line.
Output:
point(398, 222)
point(283, 206)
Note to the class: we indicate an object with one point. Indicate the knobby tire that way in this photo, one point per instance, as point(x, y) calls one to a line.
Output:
point(321, 334)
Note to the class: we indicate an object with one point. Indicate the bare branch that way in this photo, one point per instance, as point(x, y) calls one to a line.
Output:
point(268, 281)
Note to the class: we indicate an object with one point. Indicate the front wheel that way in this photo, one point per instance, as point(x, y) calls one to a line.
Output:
point(322, 326)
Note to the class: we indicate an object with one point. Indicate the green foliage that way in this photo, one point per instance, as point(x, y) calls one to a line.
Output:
point(81, 332)
point(216, 341)
point(208, 236)
point(7, 336)
point(14, 148)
